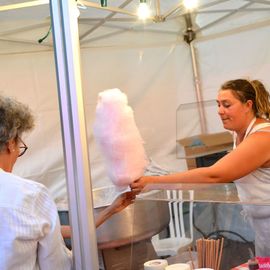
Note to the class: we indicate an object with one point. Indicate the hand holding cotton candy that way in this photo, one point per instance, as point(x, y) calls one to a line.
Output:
point(118, 138)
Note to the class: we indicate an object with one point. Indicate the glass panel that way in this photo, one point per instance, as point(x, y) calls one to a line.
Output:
point(198, 225)
point(223, 192)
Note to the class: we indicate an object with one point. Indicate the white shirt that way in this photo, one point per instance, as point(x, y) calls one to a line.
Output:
point(30, 235)
point(255, 188)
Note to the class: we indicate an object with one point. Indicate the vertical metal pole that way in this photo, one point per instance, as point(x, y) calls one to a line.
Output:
point(64, 15)
point(198, 89)
point(157, 7)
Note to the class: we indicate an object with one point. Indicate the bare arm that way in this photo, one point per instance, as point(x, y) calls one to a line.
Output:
point(66, 231)
point(251, 154)
point(121, 202)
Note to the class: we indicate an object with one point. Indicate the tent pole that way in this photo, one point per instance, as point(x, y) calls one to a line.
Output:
point(198, 88)
point(64, 15)
point(189, 37)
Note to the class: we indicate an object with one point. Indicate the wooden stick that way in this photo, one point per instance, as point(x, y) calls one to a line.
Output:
point(217, 252)
point(208, 253)
point(212, 252)
point(198, 255)
point(199, 252)
point(190, 255)
point(220, 253)
point(203, 253)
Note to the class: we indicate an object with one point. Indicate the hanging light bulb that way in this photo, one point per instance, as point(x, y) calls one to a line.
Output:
point(143, 11)
point(190, 4)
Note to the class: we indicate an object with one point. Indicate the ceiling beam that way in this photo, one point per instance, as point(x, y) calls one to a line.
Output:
point(23, 41)
point(24, 5)
point(265, 2)
point(172, 10)
point(89, 20)
point(244, 28)
point(230, 10)
point(222, 18)
point(112, 9)
point(157, 6)
point(184, 11)
point(24, 29)
point(103, 20)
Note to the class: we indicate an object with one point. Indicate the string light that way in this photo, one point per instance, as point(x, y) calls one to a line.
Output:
point(143, 11)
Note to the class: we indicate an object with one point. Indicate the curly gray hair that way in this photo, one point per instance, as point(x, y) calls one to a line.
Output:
point(15, 118)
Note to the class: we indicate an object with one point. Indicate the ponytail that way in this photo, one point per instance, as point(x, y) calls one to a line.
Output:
point(262, 99)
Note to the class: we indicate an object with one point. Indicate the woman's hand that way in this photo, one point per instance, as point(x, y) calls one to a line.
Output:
point(122, 201)
point(138, 185)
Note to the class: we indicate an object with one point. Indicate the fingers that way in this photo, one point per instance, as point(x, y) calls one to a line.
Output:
point(136, 187)
point(130, 195)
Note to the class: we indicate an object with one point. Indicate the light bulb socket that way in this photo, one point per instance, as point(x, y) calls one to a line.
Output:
point(103, 3)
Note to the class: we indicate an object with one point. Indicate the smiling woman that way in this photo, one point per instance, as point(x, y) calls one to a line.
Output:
point(243, 96)
point(244, 109)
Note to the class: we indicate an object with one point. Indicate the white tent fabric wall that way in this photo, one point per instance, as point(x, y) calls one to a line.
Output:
point(243, 54)
point(155, 72)
point(150, 77)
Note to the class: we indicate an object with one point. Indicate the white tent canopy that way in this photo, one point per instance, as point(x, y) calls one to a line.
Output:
point(149, 61)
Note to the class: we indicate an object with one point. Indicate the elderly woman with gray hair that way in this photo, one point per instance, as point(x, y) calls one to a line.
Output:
point(30, 231)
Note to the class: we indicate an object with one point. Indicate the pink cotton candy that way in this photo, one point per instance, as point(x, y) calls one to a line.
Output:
point(118, 137)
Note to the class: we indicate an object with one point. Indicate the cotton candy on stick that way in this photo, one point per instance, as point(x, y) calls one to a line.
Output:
point(118, 138)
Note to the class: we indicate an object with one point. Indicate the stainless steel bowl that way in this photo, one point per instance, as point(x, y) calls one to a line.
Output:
point(137, 222)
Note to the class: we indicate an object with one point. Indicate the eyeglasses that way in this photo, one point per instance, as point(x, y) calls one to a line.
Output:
point(22, 148)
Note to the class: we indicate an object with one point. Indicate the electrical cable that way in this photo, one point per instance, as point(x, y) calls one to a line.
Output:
point(47, 34)
point(218, 232)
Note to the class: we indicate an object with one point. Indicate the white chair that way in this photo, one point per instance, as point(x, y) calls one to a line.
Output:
point(177, 239)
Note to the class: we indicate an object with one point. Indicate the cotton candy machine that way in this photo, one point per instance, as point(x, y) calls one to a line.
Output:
point(124, 240)
point(137, 222)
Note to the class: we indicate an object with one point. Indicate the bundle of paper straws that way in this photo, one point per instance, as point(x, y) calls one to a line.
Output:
point(209, 252)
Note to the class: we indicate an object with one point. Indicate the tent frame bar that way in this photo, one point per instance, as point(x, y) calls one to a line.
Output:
point(64, 15)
